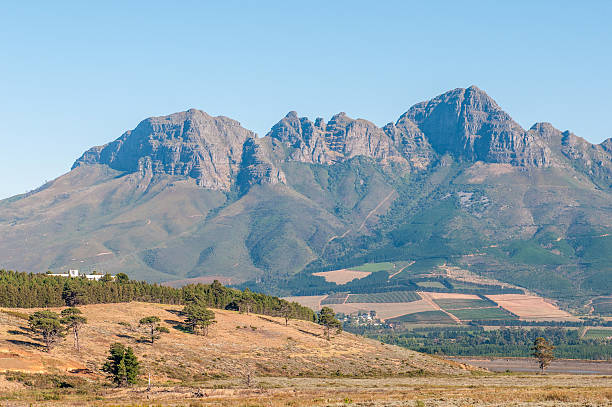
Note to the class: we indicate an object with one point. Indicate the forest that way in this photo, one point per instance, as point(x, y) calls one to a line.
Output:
point(28, 290)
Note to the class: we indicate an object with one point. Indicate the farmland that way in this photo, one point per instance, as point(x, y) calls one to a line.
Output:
point(603, 306)
point(529, 307)
point(342, 276)
point(393, 296)
point(593, 333)
point(338, 298)
point(431, 284)
point(493, 313)
point(429, 317)
point(455, 304)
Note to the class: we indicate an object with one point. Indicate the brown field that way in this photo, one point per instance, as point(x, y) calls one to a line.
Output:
point(342, 276)
point(310, 301)
point(529, 306)
point(451, 296)
point(236, 343)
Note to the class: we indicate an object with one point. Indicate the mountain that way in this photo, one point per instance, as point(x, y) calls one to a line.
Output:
point(454, 180)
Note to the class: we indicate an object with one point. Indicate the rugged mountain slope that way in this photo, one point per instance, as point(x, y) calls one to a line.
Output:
point(455, 178)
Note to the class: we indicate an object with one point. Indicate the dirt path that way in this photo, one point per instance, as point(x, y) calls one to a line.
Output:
point(373, 211)
point(400, 270)
point(427, 298)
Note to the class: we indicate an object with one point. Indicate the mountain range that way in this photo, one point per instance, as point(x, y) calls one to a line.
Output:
point(455, 179)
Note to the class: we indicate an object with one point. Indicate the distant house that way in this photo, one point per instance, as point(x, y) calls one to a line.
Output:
point(75, 273)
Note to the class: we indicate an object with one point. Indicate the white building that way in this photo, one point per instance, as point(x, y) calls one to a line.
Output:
point(75, 273)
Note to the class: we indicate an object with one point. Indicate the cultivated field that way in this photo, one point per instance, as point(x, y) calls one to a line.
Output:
point(452, 296)
point(425, 317)
point(342, 276)
point(310, 301)
point(475, 314)
point(392, 296)
point(603, 305)
point(529, 307)
point(454, 304)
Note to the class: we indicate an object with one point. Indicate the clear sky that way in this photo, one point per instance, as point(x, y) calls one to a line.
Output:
point(78, 74)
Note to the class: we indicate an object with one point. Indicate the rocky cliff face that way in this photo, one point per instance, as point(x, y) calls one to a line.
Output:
point(342, 138)
point(469, 124)
point(192, 143)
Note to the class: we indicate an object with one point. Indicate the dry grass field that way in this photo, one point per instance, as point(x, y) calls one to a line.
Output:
point(236, 343)
point(439, 391)
point(342, 276)
point(529, 306)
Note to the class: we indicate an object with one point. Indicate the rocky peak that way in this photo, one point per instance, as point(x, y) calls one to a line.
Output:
point(192, 144)
point(469, 124)
point(339, 139)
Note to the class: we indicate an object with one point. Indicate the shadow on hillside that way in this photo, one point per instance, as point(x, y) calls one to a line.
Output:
point(124, 336)
point(16, 332)
point(178, 325)
point(178, 313)
point(26, 343)
point(309, 333)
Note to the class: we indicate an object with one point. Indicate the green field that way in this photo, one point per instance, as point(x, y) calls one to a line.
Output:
point(374, 267)
point(482, 313)
point(455, 304)
point(603, 306)
point(430, 284)
point(434, 317)
point(393, 296)
point(598, 333)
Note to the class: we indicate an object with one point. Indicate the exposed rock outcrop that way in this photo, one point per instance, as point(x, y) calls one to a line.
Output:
point(470, 125)
point(192, 143)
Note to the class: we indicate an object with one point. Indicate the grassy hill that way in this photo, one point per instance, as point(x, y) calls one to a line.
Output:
point(237, 343)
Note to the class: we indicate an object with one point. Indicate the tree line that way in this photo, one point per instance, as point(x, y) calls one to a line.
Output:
point(29, 290)
point(503, 342)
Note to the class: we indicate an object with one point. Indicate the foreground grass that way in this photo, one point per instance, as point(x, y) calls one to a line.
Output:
point(480, 389)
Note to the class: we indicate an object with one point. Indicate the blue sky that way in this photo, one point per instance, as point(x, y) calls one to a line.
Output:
point(78, 74)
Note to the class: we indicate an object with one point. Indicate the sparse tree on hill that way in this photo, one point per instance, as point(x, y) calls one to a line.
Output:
point(122, 365)
point(47, 324)
point(286, 311)
point(152, 325)
point(543, 352)
point(246, 301)
point(72, 319)
point(198, 317)
point(327, 318)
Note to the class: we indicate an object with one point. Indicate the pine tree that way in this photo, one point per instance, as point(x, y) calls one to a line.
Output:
point(152, 325)
point(198, 317)
point(543, 352)
point(72, 319)
point(286, 311)
point(47, 324)
point(121, 365)
point(327, 318)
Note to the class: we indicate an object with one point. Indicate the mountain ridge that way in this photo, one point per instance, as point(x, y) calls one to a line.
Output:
point(191, 195)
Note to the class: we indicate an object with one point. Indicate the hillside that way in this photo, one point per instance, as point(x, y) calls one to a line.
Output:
point(455, 180)
point(236, 344)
